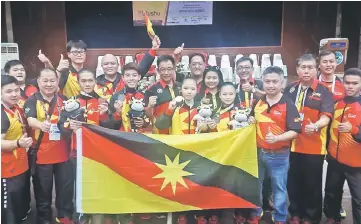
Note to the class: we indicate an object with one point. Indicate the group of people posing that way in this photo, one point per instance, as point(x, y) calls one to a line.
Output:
point(316, 117)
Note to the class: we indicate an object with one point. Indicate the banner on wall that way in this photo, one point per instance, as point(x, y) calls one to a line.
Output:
point(173, 13)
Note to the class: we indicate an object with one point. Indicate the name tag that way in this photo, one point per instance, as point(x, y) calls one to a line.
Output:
point(54, 133)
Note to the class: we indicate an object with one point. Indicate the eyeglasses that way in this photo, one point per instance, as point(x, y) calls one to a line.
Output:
point(164, 70)
point(75, 53)
point(240, 68)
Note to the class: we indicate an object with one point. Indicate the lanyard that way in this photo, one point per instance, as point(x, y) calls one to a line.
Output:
point(333, 82)
point(248, 100)
point(17, 116)
point(171, 92)
point(46, 111)
point(214, 101)
point(225, 109)
point(301, 98)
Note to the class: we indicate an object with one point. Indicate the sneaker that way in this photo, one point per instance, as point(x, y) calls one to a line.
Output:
point(182, 219)
point(201, 219)
point(294, 220)
point(213, 219)
point(342, 213)
point(64, 220)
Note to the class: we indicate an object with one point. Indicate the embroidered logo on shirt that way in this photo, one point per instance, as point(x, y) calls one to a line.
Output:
point(277, 112)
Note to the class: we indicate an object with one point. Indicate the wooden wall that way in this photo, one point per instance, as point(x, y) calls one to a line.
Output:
point(41, 25)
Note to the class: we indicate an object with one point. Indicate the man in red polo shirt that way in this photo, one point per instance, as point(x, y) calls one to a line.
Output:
point(315, 105)
point(344, 157)
point(42, 111)
point(278, 122)
point(14, 159)
point(327, 66)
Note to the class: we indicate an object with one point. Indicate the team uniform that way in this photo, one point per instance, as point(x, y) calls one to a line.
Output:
point(106, 89)
point(165, 94)
point(88, 102)
point(308, 151)
point(335, 87)
point(14, 167)
point(52, 161)
point(344, 159)
point(247, 99)
point(179, 122)
point(213, 99)
point(273, 158)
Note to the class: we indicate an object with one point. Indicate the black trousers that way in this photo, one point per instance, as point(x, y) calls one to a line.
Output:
point(337, 173)
point(43, 189)
point(12, 193)
point(27, 194)
point(305, 186)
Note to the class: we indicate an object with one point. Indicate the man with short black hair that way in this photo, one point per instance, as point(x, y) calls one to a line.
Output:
point(16, 69)
point(315, 104)
point(327, 65)
point(158, 96)
point(51, 159)
point(278, 123)
point(197, 65)
point(14, 159)
point(68, 71)
point(344, 154)
point(248, 88)
point(28, 87)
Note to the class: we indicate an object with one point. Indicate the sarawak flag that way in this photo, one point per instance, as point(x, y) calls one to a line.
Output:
point(121, 172)
point(148, 23)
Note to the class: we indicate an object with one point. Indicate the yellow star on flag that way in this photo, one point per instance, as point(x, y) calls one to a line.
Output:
point(173, 173)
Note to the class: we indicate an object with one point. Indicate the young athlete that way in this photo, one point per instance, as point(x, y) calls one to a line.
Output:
point(96, 110)
point(178, 118)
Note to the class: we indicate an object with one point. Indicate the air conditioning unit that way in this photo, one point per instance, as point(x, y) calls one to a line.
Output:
point(9, 51)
